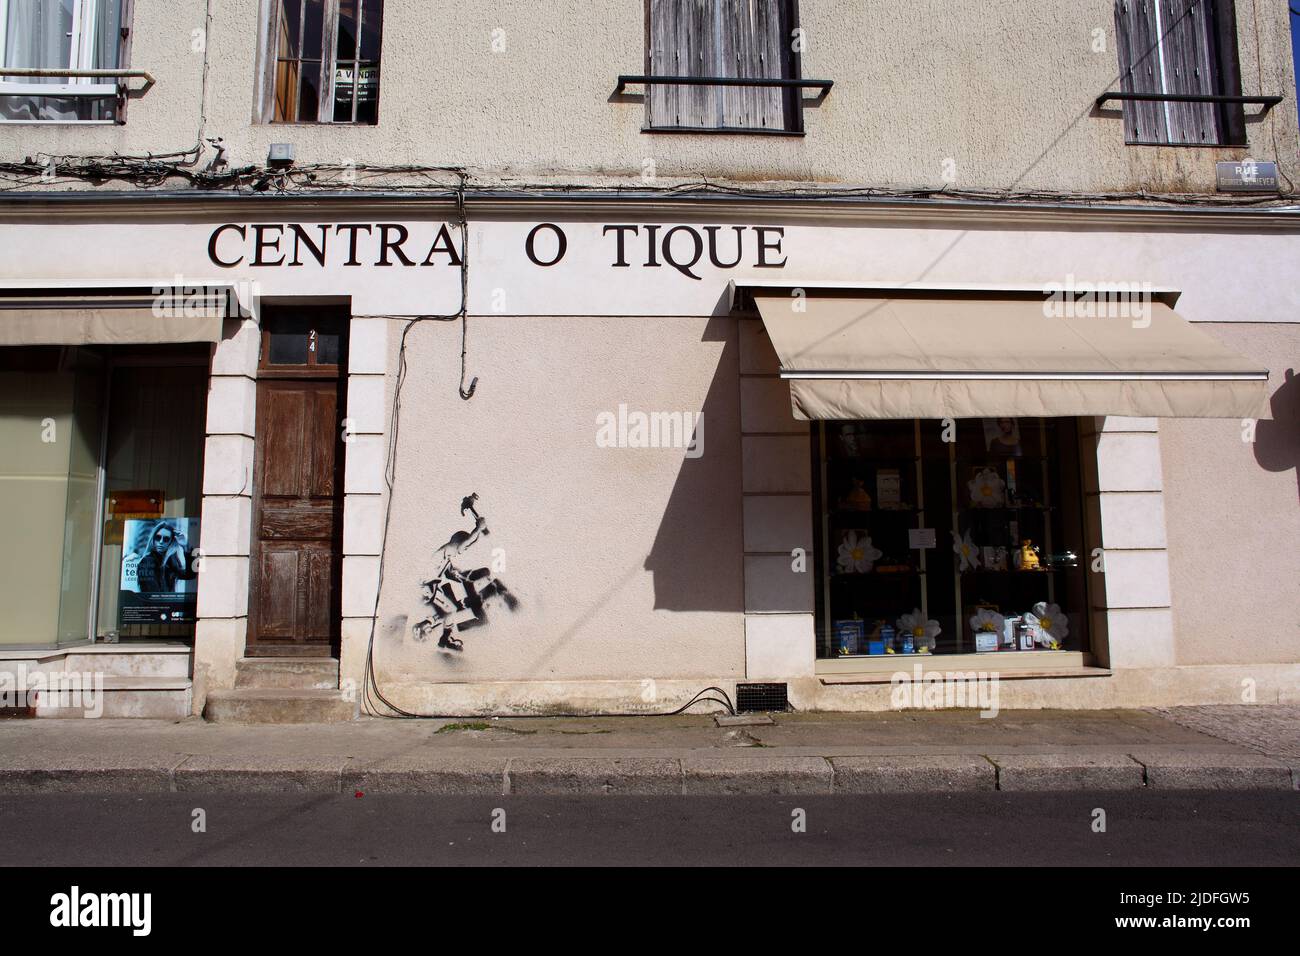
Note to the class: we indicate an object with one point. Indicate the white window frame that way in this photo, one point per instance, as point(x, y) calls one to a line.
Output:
point(81, 56)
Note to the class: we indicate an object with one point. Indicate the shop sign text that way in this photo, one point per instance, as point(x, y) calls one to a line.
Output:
point(682, 248)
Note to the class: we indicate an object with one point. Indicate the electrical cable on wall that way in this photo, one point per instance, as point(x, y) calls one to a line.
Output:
point(154, 170)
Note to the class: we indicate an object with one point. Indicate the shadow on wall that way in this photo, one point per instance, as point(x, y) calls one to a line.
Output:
point(1277, 442)
point(697, 558)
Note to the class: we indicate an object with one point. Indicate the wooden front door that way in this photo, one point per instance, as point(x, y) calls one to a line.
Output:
point(296, 566)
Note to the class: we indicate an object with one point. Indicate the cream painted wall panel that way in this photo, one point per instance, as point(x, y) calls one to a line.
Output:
point(1140, 637)
point(228, 465)
point(779, 646)
point(625, 560)
point(368, 347)
point(777, 464)
point(765, 407)
point(363, 525)
point(218, 644)
point(778, 523)
point(757, 356)
point(1128, 462)
point(772, 585)
point(1116, 423)
point(360, 581)
point(238, 351)
point(232, 405)
point(363, 466)
point(1137, 579)
point(1133, 520)
point(223, 587)
point(367, 409)
point(226, 525)
point(1234, 518)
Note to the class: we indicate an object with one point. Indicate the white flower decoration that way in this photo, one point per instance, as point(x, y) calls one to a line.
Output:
point(988, 621)
point(857, 554)
point(1051, 625)
point(965, 548)
point(987, 490)
point(923, 632)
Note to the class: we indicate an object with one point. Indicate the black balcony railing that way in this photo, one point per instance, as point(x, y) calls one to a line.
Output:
point(1268, 102)
point(626, 80)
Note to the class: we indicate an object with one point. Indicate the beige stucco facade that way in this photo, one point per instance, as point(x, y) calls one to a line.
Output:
point(958, 95)
point(645, 574)
point(1237, 604)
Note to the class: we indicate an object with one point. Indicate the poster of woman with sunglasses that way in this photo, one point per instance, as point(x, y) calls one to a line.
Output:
point(159, 570)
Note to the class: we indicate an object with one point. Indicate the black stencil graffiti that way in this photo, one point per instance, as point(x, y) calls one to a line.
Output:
point(459, 598)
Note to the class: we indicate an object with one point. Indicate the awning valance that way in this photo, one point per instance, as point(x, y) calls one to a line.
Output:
point(111, 320)
point(967, 355)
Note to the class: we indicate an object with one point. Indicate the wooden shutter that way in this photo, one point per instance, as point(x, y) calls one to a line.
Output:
point(1139, 65)
point(744, 38)
point(1190, 68)
point(683, 42)
point(754, 44)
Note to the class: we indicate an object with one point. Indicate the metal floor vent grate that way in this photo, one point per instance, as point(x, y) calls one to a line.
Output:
point(761, 698)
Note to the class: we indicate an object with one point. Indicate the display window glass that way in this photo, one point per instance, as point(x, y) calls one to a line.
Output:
point(948, 537)
point(101, 467)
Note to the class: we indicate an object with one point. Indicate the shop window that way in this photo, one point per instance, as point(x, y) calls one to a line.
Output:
point(1179, 47)
point(321, 61)
point(60, 35)
point(101, 465)
point(153, 486)
point(949, 537)
point(722, 38)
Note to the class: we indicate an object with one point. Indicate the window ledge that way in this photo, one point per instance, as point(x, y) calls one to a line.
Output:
point(723, 130)
point(317, 123)
point(60, 122)
point(1009, 665)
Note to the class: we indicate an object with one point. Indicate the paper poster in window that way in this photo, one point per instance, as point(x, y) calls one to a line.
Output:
point(159, 578)
point(1002, 436)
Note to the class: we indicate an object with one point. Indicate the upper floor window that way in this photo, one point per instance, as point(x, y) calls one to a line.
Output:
point(1179, 47)
point(320, 61)
point(57, 35)
point(722, 38)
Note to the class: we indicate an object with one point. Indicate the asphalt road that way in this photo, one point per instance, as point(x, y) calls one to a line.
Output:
point(1165, 829)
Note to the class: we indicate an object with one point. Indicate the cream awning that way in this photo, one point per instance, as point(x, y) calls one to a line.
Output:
point(110, 320)
point(971, 355)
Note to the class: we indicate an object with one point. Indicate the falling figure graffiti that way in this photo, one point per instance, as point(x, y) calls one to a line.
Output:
point(459, 598)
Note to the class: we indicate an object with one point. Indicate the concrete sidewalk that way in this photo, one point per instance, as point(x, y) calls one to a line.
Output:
point(1204, 748)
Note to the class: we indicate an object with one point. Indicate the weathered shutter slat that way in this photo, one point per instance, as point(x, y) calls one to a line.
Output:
point(770, 45)
point(1139, 62)
point(659, 60)
point(1190, 68)
point(736, 39)
point(663, 61)
point(699, 38)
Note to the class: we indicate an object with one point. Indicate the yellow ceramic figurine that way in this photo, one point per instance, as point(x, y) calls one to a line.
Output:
point(1028, 557)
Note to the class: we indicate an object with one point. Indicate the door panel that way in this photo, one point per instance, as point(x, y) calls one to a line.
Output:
point(282, 439)
point(294, 597)
point(279, 592)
